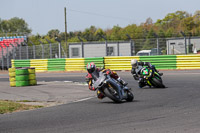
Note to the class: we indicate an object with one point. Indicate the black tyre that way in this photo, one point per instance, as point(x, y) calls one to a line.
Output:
point(158, 83)
point(130, 96)
point(109, 93)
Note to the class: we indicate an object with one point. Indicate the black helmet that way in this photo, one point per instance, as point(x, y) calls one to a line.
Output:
point(91, 67)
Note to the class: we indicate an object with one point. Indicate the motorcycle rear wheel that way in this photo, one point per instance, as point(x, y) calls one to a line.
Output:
point(158, 83)
point(112, 96)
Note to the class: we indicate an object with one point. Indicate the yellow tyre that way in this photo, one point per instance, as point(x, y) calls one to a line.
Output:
point(31, 70)
point(11, 69)
point(32, 77)
point(32, 82)
point(11, 74)
point(12, 79)
point(13, 84)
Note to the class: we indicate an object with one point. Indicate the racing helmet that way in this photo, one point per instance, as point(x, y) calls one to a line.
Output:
point(91, 67)
point(134, 63)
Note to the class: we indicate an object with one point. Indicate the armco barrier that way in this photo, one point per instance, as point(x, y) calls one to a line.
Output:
point(161, 62)
point(119, 62)
point(20, 63)
point(111, 62)
point(75, 64)
point(40, 65)
point(188, 61)
point(56, 64)
point(99, 61)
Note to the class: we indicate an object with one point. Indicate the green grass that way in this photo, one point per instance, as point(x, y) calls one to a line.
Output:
point(11, 106)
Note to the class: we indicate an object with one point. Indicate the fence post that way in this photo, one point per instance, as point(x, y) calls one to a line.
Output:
point(42, 51)
point(27, 51)
point(20, 52)
point(33, 45)
point(50, 48)
point(157, 39)
point(59, 49)
point(118, 48)
point(7, 54)
point(185, 42)
point(13, 50)
point(82, 47)
point(2, 63)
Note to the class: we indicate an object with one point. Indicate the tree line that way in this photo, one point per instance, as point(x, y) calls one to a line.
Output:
point(169, 26)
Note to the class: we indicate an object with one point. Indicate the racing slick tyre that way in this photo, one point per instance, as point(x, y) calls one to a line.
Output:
point(158, 83)
point(109, 93)
point(130, 96)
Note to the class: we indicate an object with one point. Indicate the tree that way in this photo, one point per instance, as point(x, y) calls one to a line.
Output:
point(53, 33)
point(15, 25)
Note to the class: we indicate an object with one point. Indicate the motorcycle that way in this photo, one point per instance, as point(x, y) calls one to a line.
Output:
point(151, 77)
point(111, 88)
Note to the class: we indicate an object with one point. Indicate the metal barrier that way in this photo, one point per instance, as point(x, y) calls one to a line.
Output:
point(188, 61)
point(119, 62)
point(40, 65)
point(75, 64)
point(110, 62)
point(161, 62)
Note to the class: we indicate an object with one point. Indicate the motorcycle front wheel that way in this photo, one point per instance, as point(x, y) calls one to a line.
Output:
point(130, 96)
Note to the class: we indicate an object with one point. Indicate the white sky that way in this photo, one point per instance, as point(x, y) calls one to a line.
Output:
point(44, 15)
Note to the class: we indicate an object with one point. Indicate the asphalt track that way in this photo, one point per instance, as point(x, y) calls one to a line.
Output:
point(175, 109)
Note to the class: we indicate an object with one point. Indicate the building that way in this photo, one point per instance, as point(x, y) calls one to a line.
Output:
point(100, 49)
point(182, 45)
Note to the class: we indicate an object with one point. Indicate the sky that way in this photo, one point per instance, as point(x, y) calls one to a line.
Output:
point(45, 15)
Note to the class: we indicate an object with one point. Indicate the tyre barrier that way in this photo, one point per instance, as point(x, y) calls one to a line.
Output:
point(19, 77)
point(32, 76)
point(12, 77)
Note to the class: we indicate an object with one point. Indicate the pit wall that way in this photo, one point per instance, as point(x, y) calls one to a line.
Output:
point(112, 62)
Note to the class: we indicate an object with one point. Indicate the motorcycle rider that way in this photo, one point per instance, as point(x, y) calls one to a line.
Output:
point(93, 73)
point(136, 71)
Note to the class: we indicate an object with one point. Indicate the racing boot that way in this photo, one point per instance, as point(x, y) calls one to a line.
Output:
point(161, 74)
point(122, 82)
point(100, 95)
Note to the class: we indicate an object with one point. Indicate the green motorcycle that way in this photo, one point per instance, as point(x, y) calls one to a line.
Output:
point(151, 77)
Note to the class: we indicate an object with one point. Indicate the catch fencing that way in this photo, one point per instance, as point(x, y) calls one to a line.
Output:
point(21, 52)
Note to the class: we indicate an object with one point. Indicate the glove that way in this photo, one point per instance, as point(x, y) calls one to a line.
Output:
point(108, 72)
point(92, 88)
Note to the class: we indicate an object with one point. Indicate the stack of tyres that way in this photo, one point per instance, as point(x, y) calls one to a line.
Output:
point(32, 76)
point(22, 77)
point(12, 77)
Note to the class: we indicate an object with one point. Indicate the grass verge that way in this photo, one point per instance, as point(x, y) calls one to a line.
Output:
point(11, 106)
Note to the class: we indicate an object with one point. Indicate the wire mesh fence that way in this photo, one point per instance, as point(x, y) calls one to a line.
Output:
point(21, 52)
point(155, 46)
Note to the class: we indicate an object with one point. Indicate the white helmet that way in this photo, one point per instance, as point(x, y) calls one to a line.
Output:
point(134, 63)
